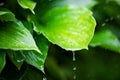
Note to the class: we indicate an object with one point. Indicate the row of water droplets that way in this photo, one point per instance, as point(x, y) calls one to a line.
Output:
point(74, 67)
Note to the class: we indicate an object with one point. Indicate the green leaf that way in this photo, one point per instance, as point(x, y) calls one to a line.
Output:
point(16, 37)
point(27, 4)
point(17, 58)
point(2, 60)
point(35, 58)
point(6, 15)
point(70, 27)
point(106, 39)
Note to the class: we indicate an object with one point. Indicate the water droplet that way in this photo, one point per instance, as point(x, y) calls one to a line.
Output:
point(106, 20)
point(103, 24)
point(44, 78)
point(20, 60)
point(74, 77)
point(74, 59)
point(74, 68)
point(1, 4)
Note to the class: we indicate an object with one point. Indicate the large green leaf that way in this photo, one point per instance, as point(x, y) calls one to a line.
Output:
point(70, 27)
point(13, 35)
point(106, 39)
point(6, 15)
point(17, 58)
point(2, 60)
point(35, 58)
point(27, 4)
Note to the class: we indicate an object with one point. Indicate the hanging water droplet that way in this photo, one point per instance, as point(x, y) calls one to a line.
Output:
point(44, 78)
point(74, 77)
point(74, 68)
point(74, 59)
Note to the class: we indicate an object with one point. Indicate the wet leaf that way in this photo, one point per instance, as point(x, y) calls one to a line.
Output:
point(27, 4)
point(106, 39)
point(6, 15)
point(13, 35)
point(2, 60)
point(17, 58)
point(70, 27)
point(35, 58)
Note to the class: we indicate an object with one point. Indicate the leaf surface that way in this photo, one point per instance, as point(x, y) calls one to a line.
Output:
point(70, 27)
point(13, 35)
point(106, 39)
point(6, 15)
point(36, 59)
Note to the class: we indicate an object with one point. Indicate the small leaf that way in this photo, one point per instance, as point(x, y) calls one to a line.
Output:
point(27, 4)
point(70, 27)
point(106, 39)
point(35, 58)
point(16, 37)
point(17, 58)
point(6, 15)
point(2, 60)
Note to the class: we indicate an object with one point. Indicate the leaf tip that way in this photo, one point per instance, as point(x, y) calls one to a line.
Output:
point(36, 49)
point(33, 12)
